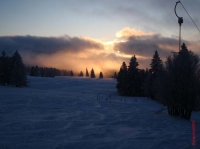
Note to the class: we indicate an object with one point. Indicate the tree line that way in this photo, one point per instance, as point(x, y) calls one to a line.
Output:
point(175, 83)
point(12, 70)
point(52, 72)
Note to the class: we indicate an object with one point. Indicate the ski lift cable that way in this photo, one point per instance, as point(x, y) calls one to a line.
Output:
point(190, 16)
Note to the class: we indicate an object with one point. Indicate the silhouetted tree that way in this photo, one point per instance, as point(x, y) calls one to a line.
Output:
point(5, 69)
point(122, 80)
point(156, 65)
point(146, 86)
point(156, 68)
point(92, 73)
point(133, 78)
point(18, 74)
point(35, 71)
point(182, 83)
point(71, 73)
point(115, 75)
point(100, 75)
point(87, 74)
point(81, 74)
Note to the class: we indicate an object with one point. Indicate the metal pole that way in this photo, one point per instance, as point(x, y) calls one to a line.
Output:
point(180, 21)
point(179, 37)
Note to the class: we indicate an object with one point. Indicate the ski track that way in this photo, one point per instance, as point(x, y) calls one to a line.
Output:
point(64, 113)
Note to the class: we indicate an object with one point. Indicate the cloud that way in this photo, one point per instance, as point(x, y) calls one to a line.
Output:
point(143, 45)
point(128, 32)
point(47, 45)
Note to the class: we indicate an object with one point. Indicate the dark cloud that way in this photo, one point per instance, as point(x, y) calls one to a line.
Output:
point(146, 45)
point(46, 45)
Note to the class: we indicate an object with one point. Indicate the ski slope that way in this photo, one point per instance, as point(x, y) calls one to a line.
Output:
point(85, 113)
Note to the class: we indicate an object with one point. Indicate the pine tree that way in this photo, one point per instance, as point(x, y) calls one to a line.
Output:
point(92, 73)
point(122, 80)
point(115, 75)
point(87, 74)
point(18, 74)
point(100, 75)
point(182, 83)
point(156, 64)
point(5, 69)
point(71, 73)
point(133, 78)
point(156, 68)
point(81, 74)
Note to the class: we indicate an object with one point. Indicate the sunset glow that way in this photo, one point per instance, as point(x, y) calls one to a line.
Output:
point(99, 35)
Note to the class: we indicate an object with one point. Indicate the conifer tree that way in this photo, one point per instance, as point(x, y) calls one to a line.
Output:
point(92, 73)
point(156, 65)
point(87, 74)
point(100, 75)
point(182, 83)
point(32, 73)
point(81, 74)
point(115, 75)
point(122, 80)
point(71, 73)
point(133, 78)
point(156, 68)
point(18, 74)
point(5, 69)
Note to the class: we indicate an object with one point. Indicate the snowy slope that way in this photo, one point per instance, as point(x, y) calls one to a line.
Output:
point(66, 113)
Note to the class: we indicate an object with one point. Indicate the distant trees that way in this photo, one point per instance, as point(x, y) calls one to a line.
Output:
point(86, 73)
point(92, 75)
point(100, 75)
point(12, 70)
point(44, 71)
point(81, 74)
point(71, 73)
point(115, 75)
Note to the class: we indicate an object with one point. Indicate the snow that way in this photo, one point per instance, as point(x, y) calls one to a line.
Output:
point(85, 113)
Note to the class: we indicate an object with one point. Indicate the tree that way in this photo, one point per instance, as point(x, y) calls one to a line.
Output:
point(5, 69)
point(156, 68)
point(115, 75)
point(18, 74)
point(182, 83)
point(81, 74)
point(87, 74)
point(92, 73)
point(71, 73)
point(156, 65)
point(35, 71)
point(121, 80)
point(133, 78)
point(100, 75)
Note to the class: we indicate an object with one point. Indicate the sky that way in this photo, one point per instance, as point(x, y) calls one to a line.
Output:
point(99, 34)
